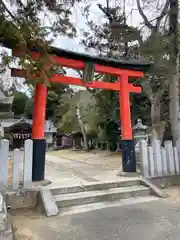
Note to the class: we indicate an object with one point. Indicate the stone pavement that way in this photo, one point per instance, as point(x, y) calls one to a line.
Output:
point(155, 220)
point(67, 172)
point(104, 159)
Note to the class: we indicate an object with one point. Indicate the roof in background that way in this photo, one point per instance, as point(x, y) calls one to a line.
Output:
point(6, 123)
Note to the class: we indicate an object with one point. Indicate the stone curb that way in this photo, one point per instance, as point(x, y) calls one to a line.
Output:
point(37, 185)
point(128, 174)
point(41, 184)
point(5, 225)
point(158, 192)
point(26, 198)
point(47, 203)
point(3, 214)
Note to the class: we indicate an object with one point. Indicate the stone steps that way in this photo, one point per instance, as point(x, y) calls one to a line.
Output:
point(105, 204)
point(80, 198)
point(94, 195)
point(94, 186)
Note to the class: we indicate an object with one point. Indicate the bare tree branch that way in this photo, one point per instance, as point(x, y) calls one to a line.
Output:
point(9, 12)
point(158, 19)
point(146, 21)
point(106, 11)
point(165, 9)
point(163, 13)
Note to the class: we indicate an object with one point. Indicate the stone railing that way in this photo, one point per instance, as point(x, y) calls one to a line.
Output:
point(157, 160)
point(16, 166)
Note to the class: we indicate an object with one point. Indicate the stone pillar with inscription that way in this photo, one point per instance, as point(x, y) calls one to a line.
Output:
point(1, 133)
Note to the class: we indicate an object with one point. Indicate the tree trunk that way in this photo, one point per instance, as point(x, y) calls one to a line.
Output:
point(81, 124)
point(155, 112)
point(158, 127)
point(174, 107)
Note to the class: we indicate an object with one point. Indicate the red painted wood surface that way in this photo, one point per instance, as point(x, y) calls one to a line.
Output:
point(39, 111)
point(125, 113)
point(77, 81)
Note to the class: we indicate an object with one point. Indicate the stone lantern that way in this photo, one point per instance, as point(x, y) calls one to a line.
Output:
point(139, 132)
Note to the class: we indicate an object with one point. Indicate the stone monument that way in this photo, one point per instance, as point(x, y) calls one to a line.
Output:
point(139, 133)
point(5, 111)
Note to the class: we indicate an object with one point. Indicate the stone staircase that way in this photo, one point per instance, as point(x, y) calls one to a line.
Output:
point(97, 195)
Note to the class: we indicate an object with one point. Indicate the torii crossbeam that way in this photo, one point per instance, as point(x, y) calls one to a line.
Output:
point(122, 69)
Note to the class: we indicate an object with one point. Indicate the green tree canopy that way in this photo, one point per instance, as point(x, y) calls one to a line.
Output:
point(19, 103)
point(28, 111)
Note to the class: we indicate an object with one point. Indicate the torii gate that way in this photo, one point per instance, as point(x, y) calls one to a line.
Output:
point(122, 69)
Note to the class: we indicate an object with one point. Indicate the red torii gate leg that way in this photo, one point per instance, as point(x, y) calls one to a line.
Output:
point(127, 143)
point(39, 142)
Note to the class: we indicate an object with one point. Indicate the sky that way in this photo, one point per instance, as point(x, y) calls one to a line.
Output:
point(133, 18)
point(132, 14)
point(97, 16)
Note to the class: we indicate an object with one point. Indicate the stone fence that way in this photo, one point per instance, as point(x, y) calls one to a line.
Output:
point(16, 166)
point(157, 160)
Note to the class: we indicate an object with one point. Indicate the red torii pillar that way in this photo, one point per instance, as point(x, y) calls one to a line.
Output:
point(127, 143)
point(39, 142)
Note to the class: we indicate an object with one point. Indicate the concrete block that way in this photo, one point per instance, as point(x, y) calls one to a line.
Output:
point(8, 233)
point(164, 161)
point(3, 222)
point(22, 199)
point(143, 154)
point(28, 151)
point(178, 150)
point(1, 202)
point(156, 144)
point(3, 216)
point(170, 157)
point(176, 160)
point(16, 168)
point(151, 162)
point(4, 150)
point(48, 203)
